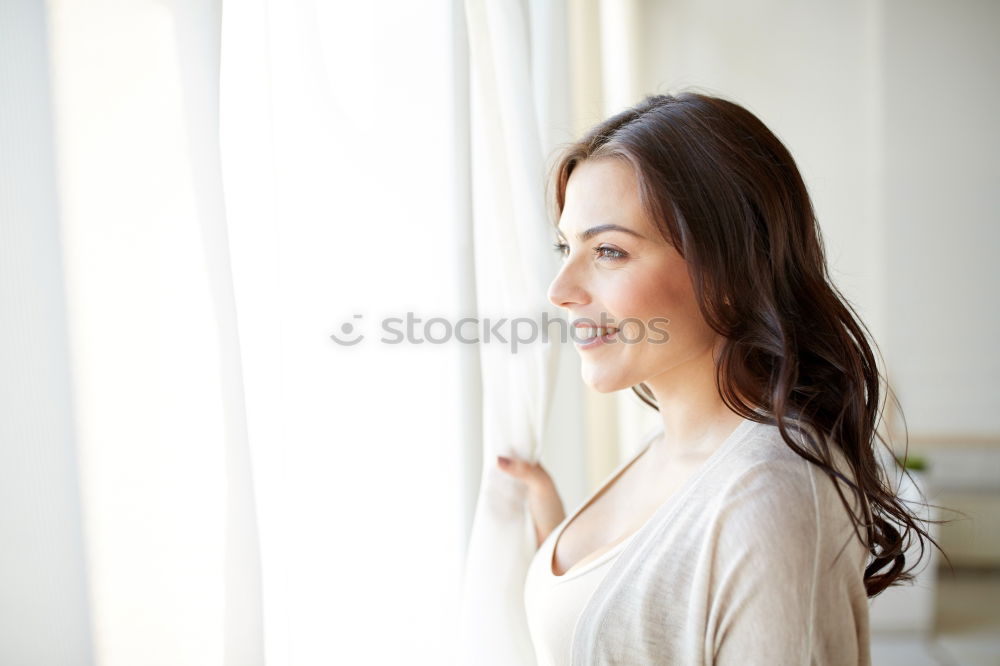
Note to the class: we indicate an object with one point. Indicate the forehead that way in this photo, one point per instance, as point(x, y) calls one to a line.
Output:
point(602, 191)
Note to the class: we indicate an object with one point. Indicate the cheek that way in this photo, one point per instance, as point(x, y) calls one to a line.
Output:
point(665, 296)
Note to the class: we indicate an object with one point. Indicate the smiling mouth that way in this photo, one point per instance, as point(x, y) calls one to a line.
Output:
point(591, 332)
point(588, 337)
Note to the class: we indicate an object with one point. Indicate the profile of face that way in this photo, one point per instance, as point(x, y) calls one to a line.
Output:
point(617, 266)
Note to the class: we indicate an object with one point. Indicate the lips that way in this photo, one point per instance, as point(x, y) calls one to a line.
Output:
point(586, 332)
point(587, 335)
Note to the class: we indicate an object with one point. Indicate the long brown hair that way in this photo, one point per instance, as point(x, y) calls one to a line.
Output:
point(727, 194)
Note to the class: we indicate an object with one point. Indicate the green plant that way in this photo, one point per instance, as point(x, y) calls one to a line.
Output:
point(912, 463)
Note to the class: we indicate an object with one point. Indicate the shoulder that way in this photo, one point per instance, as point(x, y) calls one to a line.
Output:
point(774, 489)
point(765, 453)
point(764, 444)
point(764, 465)
point(784, 557)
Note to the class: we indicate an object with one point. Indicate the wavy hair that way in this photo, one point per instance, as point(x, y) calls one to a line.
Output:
point(727, 194)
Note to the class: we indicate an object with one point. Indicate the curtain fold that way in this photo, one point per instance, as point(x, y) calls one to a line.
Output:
point(199, 69)
point(166, 492)
point(518, 113)
point(45, 617)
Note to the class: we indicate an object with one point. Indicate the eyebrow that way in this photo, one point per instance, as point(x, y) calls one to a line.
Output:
point(602, 228)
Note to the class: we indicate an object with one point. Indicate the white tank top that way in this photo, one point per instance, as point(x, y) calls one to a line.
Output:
point(554, 603)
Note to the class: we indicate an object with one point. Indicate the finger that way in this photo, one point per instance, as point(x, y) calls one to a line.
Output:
point(508, 465)
point(514, 464)
point(517, 468)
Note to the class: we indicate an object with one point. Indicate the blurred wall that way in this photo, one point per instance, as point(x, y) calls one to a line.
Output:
point(941, 142)
point(889, 108)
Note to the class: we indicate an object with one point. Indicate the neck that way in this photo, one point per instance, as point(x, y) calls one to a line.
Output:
point(696, 421)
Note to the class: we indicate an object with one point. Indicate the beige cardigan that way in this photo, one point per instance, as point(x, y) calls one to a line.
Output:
point(739, 567)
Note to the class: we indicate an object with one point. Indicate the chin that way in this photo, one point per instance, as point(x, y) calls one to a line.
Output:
point(604, 384)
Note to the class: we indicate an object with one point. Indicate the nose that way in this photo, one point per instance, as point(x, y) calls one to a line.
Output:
point(566, 289)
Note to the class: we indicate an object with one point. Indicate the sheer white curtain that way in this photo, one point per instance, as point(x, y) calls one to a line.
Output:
point(166, 494)
point(44, 611)
point(376, 146)
point(250, 491)
point(345, 199)
point(520, 108)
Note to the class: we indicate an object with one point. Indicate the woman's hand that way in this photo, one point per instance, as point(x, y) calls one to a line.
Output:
point(543, 498)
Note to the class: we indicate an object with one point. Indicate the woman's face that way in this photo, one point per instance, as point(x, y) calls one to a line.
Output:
point(629, 273)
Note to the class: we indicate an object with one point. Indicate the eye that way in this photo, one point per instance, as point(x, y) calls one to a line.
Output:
point(605, 252)
point(602, 251)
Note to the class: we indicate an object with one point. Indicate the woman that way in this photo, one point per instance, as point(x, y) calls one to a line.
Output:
point(753, 527)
